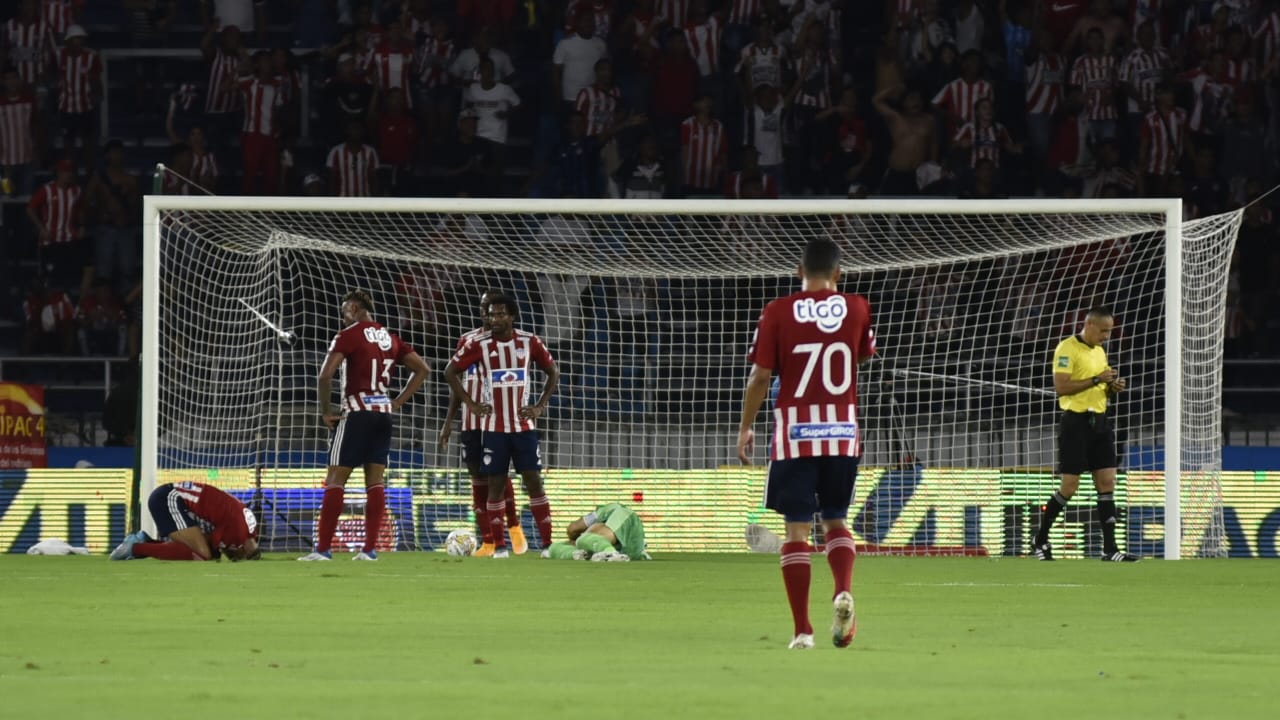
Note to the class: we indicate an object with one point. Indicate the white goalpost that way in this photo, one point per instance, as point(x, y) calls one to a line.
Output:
point(649, 307)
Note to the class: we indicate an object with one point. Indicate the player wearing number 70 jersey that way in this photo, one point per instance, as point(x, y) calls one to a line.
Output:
point(366, 352)
point(814, 339)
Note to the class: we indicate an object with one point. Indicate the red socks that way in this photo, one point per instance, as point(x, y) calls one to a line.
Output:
point(330, 510)
point(795, 575)
point(495, 523)
point(513, 517)
point(541, 509)
point(375, 512)
point(840, 554)
point(165, 551)
point(479, 499)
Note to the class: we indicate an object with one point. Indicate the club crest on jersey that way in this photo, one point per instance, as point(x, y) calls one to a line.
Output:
point(823, 431)
point(379, 336)
point(510, 377)
point(521, 353)
point(827, 314)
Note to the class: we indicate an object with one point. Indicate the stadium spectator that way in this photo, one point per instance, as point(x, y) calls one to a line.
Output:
point(1162, 144)
point(61, 14)
point(224, 51)
point(1242, 138)
point(601, 12)
point(289, 114)
point(638, 46)
point(79, 91)
point(466, 66)
point(177, 171)
point(435, 102)
point(57, 213)
point(492, 102)
point(764, 124)
point(645, 175)
point(353, 165)
point(1141, 72)
point(247, 15)
point(20, 122)
point(577, 162)
point(398, 141)
point(1206, 191)
point(1095, 73)
point(1211, 93)
point(984, 138)
point(1109, 176)
point(852, 149)
point(703, 145)
point(914, 134)
point(675, 86)
point(50, 325)
point(750, 171)
point(114, 205)
point(761, 62)
point(574, 62)
point(1070, 156)
point(260, 134)
point(348, 97)
point(703, 36)
point(465, 160)
point(101, 322)
point(28, 44)
point(393, 62)
point(970, 26)
point(817, 72)
point(1110, 28)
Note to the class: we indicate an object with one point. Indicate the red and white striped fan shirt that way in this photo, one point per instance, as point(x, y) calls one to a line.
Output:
point(1044, 83)
point(290, 83)
point(763, 64)
point(815, 72)
point(985, 141)
point(262, 98)
point(78, 75)
point(57, 14)
point(204, 165)
point(57, 208)
point(675, 12)
point(1145, 69)
point(506, 369)
point(706, 146)
point(354, 169)
point(905, 12)
point(392, 68)
point(1097, 75)
point(30, 47)
point(733, 186)
point(1240, 73)
point(1166, 135)
point(222, 95)
point(744, 12)
point(704, 45)
point(1266, 38)
point(58, 303)
point(813, 341)
point(431, 66)
point(1212, 102)
point(598, 106)
point(17, 144)
point(601, 10)
point(960, 98)
point(471, 383)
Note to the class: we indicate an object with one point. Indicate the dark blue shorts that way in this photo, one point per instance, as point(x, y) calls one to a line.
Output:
point(170, 511)
point(800, 487)
point(471, 444)
point(502, 450)
point(361, 438)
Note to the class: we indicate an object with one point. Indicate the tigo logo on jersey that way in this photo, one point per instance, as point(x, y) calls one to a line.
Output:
point(829, 314)
point(379, 336)
point(823, 431)
point(507, 378)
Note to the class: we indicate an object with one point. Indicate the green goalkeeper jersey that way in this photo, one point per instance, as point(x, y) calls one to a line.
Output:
point(626, 526)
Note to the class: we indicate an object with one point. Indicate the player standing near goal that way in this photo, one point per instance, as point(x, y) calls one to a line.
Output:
point(814, 339)
point(509, 435)
point(366, 352)
point(200, 521)
point(469, 438)
point(1086, 440)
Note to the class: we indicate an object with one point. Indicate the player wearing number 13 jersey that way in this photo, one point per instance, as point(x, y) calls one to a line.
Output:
point(367, 353)
point(814, 340)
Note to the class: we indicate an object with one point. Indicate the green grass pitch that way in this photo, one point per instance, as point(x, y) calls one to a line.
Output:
point(420, 635)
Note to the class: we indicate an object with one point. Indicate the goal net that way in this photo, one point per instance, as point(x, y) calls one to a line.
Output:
point(648, 307)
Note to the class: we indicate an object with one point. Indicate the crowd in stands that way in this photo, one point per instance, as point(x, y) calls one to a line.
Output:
point(629, 99)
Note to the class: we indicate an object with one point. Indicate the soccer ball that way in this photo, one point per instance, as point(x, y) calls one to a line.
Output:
point(460, 543)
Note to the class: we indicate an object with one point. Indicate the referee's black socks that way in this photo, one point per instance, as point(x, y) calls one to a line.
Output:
point(1052, 510)
point(1107, 519)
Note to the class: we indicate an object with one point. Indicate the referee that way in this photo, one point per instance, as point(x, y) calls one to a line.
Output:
point(1085, 383)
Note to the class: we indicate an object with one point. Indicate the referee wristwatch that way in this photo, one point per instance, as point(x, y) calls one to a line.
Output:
point(1096, 380)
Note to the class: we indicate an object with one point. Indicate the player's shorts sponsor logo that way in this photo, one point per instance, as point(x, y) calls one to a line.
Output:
point(508, 377)
point(1064, 361)
point(823, 431)
point(378, 336)
point(828, 314)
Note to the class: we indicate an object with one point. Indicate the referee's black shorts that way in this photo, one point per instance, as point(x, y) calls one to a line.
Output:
point(1086, 442)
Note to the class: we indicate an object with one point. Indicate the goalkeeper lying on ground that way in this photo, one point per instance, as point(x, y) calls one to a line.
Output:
point(612, 533)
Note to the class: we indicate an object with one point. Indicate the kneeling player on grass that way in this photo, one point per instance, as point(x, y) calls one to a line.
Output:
point(200, 521)
point(814, 339)
point(509, 436)
point(612, 533)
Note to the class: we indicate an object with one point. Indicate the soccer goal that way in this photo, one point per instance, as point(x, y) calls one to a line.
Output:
point(648, 307)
